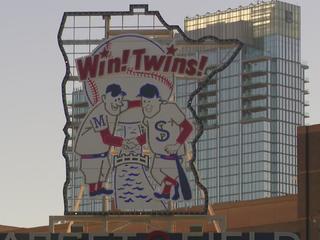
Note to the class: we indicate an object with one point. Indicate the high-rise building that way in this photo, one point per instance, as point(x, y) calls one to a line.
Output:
point(252, 109)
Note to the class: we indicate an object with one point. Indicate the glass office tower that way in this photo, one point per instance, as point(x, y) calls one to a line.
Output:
point(252, 109)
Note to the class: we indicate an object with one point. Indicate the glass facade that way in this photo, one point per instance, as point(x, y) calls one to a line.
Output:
point(250, 110)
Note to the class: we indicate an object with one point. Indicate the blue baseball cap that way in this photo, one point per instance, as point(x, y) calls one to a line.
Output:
point(149, 91)
point(115, 90)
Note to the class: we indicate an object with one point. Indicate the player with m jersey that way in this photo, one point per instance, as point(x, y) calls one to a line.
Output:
point(167, 132)
point(96, 136)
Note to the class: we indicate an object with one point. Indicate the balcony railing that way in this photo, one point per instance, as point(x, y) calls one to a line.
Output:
point(254, 83)
point(204, 114)
point(254, 96)
point(260, 66)
point(210, 125)
point(208, 92)
point(254, 108)
point(249, 119)
point(207, 103)
point(254, 73)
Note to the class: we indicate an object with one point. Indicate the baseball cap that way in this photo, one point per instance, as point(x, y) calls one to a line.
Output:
point(149, 91)
point(115, 90)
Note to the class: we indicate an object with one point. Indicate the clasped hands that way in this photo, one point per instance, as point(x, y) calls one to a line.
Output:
point(129, 144)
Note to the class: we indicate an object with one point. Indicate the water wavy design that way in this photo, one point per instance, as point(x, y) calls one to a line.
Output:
point(134, 174)
point(142, 196)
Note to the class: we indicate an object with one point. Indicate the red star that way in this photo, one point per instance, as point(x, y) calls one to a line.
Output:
point(171, 50)
point(104, 53)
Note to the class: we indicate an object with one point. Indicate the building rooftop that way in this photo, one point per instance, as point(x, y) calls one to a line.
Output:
point(258, 4)
point(259, 213)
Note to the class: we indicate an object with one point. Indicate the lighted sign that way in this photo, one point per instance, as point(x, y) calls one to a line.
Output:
point(151, 236)
point(133, 113)
point(134, 133)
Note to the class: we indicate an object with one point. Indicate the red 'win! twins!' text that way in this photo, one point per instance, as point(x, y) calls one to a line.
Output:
point(102, 64)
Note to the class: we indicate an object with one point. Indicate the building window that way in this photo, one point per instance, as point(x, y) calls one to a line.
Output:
point(289, 16)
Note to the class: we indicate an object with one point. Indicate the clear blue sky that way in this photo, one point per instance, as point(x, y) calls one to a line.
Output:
point(32, 169)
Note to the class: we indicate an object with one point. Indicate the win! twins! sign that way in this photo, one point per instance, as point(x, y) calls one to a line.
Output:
point(134, 134)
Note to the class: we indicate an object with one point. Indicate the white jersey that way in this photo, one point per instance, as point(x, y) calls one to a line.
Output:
point(88, 140)
point(163, 128)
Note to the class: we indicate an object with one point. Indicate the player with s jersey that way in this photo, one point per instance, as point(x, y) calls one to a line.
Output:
point(167, 132)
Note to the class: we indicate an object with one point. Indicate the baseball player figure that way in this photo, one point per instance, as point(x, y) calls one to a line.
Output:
point(167, 131)
point(96, 136)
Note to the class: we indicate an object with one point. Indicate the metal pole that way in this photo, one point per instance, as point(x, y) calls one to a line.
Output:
point(107, 26)
point(51, 224)
point(106, 224)
point(307, 182)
